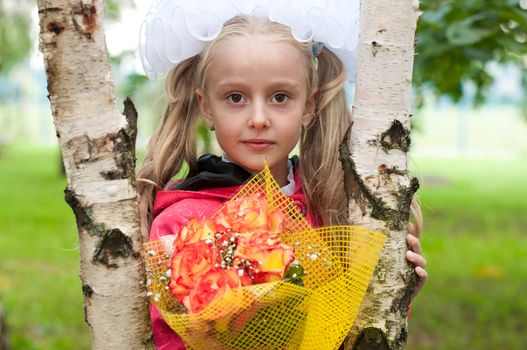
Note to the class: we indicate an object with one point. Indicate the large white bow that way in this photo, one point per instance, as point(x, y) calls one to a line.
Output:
point(175, 30)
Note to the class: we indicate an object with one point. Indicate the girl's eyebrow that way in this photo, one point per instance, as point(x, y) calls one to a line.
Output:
point(287, 83)
point(282, 83)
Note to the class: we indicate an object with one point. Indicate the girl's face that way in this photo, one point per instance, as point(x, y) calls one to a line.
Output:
point(256, 98)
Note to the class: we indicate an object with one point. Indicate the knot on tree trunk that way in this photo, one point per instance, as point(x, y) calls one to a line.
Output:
point(371, 338)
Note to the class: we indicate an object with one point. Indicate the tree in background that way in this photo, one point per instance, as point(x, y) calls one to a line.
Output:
point(457, 40)
point(15, 41)
point(15, 45)
point(18, 84)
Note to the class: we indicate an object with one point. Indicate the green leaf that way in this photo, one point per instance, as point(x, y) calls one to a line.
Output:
point(464, 32)
point(15, 39)
point(295, 273)
point(436, 17)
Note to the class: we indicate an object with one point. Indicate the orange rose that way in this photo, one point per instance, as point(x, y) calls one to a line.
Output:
point(269, 259)
point(193, 232)
point(265, 277)
point(239, 246)
point(188, 264)
point(210, 287)
point(262, 239)
point(249, 214)
point(276, 221)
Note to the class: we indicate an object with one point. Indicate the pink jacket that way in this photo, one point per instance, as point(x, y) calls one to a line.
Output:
point(172, 210)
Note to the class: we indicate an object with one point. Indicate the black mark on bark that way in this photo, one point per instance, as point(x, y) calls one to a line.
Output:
point(49, 9)
point(130, 112)
point(86, 314)
point(400, 340)
point(371, 338)
point(405, 198)
point(352, 181)
point(87, 290)
point(124, 156)
point(396, 137)
point(359, 193)
point(55, 28)
point(120, 146)
point(400, 305)
point(355, 188)
point(51, 73)
point(384, 170)
point(113, 245)
point(83, 215)
point(375, 46)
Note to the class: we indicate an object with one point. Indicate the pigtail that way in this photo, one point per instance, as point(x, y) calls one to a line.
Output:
point(417, 214)
point(173, 143)
point(321, 171)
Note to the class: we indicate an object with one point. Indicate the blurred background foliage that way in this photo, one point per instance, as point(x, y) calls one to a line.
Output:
point(15, 40)
point(457, 40)
point(471, 164)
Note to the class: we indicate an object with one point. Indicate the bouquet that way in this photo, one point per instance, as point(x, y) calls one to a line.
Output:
point(256, 275)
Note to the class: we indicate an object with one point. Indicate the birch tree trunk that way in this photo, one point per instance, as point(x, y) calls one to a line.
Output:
point(98, 148)
point(374, 157)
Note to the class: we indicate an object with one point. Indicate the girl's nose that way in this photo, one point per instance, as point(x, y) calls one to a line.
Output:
point(259, 118)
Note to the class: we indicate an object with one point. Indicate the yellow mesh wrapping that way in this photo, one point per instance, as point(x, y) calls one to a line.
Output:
point(339, 262)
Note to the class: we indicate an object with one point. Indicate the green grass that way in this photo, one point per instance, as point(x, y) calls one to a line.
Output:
point(475, 243)
point(39, 264)
point(474, 240)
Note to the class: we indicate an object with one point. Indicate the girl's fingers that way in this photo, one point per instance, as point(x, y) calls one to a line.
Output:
point(414, 243)
point(422, 277)
point(416, 259)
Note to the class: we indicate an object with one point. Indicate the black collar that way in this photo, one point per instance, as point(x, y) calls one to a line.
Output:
point(213, 172)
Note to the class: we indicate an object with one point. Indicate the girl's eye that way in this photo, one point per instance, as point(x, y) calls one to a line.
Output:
point(280, 98)
point(236, 98)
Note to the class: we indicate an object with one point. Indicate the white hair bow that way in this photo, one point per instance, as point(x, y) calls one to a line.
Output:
point(175, 30)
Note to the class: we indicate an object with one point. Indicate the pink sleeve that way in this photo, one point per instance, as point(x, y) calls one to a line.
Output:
point(164, 337)
point(169, 222)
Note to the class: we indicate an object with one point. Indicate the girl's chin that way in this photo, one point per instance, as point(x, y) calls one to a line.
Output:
point(279, 173)
point(253, 169)
point(256, 164)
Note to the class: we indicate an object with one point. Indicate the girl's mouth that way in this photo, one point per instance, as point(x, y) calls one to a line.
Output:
point(258, 144)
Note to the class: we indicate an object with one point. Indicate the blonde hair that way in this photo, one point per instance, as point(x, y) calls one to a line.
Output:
point(174, 142)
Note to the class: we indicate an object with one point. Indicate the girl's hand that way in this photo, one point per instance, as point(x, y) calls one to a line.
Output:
point(415, 258)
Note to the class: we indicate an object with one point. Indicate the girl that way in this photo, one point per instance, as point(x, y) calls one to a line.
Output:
point(262, 91)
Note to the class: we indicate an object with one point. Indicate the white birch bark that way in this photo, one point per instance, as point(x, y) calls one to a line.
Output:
point(98, 148)
point(375, 161)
